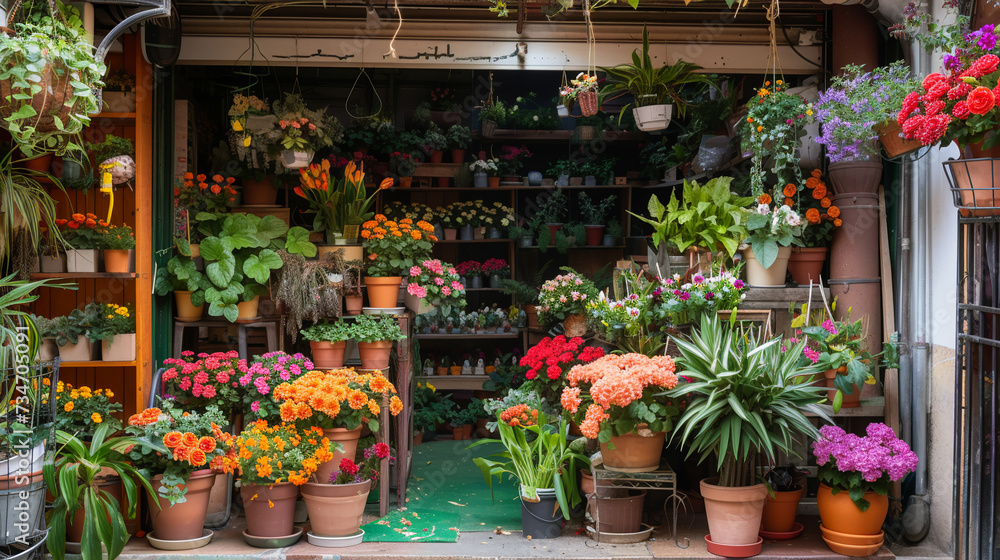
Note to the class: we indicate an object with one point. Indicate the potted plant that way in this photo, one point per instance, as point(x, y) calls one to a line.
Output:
point(203, 382)
point(526, 295)
point(302, 131)
point(461, 421)
point(485, 173)
point(336, 505)
point(47, 331)
point(375, 335)
point(270, 477)
point(595, 215)
point(353, 299)
point(562, 170)
point(114, 326)
point(510, 161)
point(767, 238)
point(781, 505)
point(548, 362)
point(119, 92)
point(240, 259)
point(772, 132)
point(252, 135)
point(118, 243)
point(469, 271)
point(565, 298)
point(405, 165)
point(70, 333)
point(393, 247)
point(201, 200)
point(183, 476)
point(352, 399)
point(496, 270)
point(585, 92)
point(263, 375)
point(651, 86)
point(328, 342)
point(341, 210)
point(62, 55)
point(538, 456)
point(435, 143)
point(81, 410)
point(434, 288)
point(735, 378)
point(821, 219)
point(598, 172)
point(552, 210)
point(79, 472)
point(840, 347)
point(459, 139)
point(493, 114)
point(854, 474)
point(182, 278)
point(82, 232)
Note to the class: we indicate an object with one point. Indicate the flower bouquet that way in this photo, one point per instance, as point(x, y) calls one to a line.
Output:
point(564, 298)
point(204, 381)
point(263, 375)
point(434, 287)
point(773, 129)
point(82, 410)
point(680, 303)
point(549, 361)
point(340, 207)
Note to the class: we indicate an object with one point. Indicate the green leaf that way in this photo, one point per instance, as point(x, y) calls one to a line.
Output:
point(259, 266)
point(270, 227)
point(297, 242)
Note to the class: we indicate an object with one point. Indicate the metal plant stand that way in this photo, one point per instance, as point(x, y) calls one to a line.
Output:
point(664, 479)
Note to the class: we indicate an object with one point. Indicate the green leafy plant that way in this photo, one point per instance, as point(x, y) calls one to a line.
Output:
point(562, 167)
point(601, 169)
point(110, 319)
point(840, 346)
point(552, 209)
point(764, 230)
point(744, 399)
point(328, 332)
point(68, 328)
point(772, 131)
point(374, 328)
point(595, 213)
point(75, 474)
point(303, 129)
point(117, 238)
point(459, 137)
point(495, 111)
point(26, 208)
point(111, 146)
point(434, 140)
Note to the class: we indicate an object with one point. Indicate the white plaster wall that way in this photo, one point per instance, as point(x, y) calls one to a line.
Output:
point(942, 273)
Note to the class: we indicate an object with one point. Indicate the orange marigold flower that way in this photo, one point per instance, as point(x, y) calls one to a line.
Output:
point(374, 408)
point(789, 202)
point(812, 216)
point(395, 405)
point(764, 199)
point(825, 203)
point(790, 190)
point(415, 234)
point(90, 223)
point(188, 176)
point(79, 218)
point(357, 400)
point(833, 211)
point(838, 222)
point(812, 182)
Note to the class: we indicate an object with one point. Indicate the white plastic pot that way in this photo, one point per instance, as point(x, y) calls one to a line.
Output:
point(293, 159)
point(653, 117)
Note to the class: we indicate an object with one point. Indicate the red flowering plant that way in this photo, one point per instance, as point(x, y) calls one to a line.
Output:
point(620, 394)
point(437, 284)
point(368, 469)
point(469, 269)
point(200, 193)
point(550, 360)
point(961, 104)
point(263, 375)
point(178, 444)
point(82, 231)
point(206, 380)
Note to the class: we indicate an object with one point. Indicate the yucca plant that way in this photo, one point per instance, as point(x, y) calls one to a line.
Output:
point(745, 399)
point(651, 85)
point(73, 480)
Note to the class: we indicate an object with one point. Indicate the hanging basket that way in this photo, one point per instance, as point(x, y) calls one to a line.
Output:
point(49, 103)
point(295, 159)
point(653, 117)
point(588, 103)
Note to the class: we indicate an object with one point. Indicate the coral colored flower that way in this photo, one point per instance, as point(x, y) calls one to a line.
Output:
point(980, 101)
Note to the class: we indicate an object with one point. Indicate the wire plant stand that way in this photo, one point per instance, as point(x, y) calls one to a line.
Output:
point(975, 186)
point(664, 479)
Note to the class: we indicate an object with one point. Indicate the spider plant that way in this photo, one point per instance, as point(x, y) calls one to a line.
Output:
point(745, 399)
point(16, 325)
point(25, 205)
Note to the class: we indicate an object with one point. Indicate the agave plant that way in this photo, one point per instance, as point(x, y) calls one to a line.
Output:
point(745, 399)
point(651, 85)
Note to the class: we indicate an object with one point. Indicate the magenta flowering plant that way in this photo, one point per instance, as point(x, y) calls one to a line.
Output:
point(351, 472)
point(263, 375)
point(469, 269)
point(855, 464)
point(678, 303)
point(436, 283)
point(498, 267)
point(840, 346)
point(197, 382)
point(565, 295)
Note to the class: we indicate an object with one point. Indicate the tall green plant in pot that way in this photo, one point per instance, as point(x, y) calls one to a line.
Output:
point(745, 400)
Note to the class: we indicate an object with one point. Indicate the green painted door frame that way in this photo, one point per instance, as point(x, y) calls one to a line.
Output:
point(163, 206)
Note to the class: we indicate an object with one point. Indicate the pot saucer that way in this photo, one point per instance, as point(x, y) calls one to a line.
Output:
point(336, 542)
point(851, 549)
point(187, 544)
point(273, 542)
point(783, 536)
point(734, 550)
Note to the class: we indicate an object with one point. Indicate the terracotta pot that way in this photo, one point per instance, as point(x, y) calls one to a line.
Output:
point(575, 325)
point(852, 400)
point(890, 135)
point(493, 182)
point(40, 163)
point(117, 260)
point(248, 309)
point(74, 527)
point(375, 355)
point(354, 304)
point(586, 482)
point(259, 193)
point(531, 311)
point(187, 313)
point(621, 514)
point(457, 155)
point(450, 234)
point(327, 355)
point(772, 277)
point(780, 511)
point(349, 440)
point(182, 521)
point(973, 182)
point(553, 228)
point(437, 156)
point(595, 234)
point(443, 182)
point(633, 453)
point(806, 263)
point(335, 509)
point(839, 513)
point(441, 371)
point(852, 253)
point(458, 433)
point(418, 438)
point(405, 182)
point(733, 512)
point(270, 511)
point(383, 291)
point(455, 370)
point(855, 176)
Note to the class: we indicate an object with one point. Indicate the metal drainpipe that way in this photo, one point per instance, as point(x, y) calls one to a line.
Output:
point(916, 518)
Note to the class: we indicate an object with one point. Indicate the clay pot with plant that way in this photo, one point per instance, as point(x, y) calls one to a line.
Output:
point(784, 491)
point(336, 506)
point(328, 342)
point(375, 335)
point(741, 374)
point(595, 215)
point(393, 248)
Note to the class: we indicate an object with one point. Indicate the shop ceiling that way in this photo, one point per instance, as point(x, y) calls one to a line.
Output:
point(465, 34)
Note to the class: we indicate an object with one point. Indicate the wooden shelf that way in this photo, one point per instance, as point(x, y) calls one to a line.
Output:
point(498, 240)
point(97, 364)
point(455, 382)
point(466, 336)
point(503, 188)
point(82, 275)
point(870, 408)
point(114, 116)
point(483, 290)
point(578, 247)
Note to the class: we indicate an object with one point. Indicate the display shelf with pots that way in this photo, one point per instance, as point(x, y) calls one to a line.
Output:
point(82, 275)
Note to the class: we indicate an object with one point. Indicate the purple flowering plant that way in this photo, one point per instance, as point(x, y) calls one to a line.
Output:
point(856, 464)
point(856, 104)
point(961, 44)
point(263, 375)
point(681, 302)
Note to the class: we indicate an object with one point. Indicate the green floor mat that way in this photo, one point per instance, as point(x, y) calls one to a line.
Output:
point(414, 526)
point(445, 479)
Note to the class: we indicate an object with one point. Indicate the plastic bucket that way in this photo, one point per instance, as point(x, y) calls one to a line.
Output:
point(541, 519)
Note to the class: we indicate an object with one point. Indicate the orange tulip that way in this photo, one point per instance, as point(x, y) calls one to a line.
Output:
point(386, 183)
point(349, 169)
point(298, 191)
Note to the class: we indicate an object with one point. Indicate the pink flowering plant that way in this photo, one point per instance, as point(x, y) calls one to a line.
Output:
point(197, 382)
point(678, 303)
point(565, 295)
point(469, 269)
point(855, 464)
point(351, 472)
point(840, 345)
point(436, 283)
point(263, 375)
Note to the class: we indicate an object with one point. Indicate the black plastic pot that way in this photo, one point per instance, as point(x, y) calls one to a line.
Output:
point(541, 519)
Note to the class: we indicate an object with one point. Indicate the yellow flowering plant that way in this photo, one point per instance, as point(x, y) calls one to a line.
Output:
point(81, 410)
point(339, 398)
point(112, 319)
point(272, 454)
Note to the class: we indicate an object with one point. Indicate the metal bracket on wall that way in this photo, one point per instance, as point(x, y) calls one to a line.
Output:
point(156, 9)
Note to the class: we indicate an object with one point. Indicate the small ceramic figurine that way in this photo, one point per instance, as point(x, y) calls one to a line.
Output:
point(480, 368)
point(428, 367)
point(496, 363)
point(466, 368)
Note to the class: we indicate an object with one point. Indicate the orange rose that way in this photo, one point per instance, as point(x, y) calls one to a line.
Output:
point(812, 216)
point(198, 457)
point(90, 223)
point(216, 189)
point(817, 173)
point(206, 444)
point(825, 203)
point(819, 192)
point(833, 211)
point(188, 176)
point(79, 218)
point(190, 440)
point(764, 199)
point(981, 100)
point(789, 202)
point(201, 178)
point(217, 178)
point(172, 439)
point(790, 190)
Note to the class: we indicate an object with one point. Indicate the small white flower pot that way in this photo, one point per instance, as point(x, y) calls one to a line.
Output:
point(120, 349)
point(81, 260)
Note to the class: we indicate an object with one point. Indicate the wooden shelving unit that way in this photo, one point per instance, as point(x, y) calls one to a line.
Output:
point(82, 275)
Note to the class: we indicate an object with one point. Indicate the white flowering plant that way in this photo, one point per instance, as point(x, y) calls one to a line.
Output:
point(566, 294)
point(487, 166)
point(766, 228)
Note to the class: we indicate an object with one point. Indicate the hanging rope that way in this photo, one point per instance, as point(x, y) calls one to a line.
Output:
point(392, 42)
point(374, 90)
point(773, 13)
